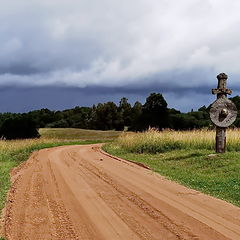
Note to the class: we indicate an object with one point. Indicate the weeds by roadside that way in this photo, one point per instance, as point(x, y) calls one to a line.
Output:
point(154, 141)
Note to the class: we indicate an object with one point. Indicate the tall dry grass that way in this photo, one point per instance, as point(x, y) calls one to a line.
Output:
point(153, 141)
point(16, 145)
point(78, 134)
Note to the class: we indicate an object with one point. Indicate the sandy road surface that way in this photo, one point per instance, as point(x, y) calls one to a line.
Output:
point(76, 192)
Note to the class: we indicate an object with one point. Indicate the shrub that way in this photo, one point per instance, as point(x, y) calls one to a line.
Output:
point(21, 127)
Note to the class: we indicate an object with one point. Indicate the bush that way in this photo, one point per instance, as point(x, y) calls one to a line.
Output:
point(20, 127)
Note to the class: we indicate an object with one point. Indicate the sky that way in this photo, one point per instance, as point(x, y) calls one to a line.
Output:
point(59, 54)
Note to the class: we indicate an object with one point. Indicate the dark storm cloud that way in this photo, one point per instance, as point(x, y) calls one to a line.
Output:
point(22, 99)
point(19, 99)
point(134, 47)
point(19, 69)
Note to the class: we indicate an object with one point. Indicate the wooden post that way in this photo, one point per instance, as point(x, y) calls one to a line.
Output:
point(221, 131)
point(220, 140)
point(223, 112)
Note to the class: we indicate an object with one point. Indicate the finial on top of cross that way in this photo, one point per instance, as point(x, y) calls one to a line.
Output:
point(222, 85)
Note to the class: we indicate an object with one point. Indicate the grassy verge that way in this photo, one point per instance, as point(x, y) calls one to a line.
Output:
point(192, 166)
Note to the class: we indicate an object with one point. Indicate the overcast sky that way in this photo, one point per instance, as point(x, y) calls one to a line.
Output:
point(63, 53)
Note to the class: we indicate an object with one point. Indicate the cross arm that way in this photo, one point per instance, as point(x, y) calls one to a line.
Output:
point(221, 91)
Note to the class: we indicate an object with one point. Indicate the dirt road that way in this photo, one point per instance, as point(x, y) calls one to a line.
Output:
point(77, 192)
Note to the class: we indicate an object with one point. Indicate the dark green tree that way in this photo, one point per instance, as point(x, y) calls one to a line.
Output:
point(105, 116)
point(136, 117)
point(124, 111)
point(155, 112)
point(21, 127)
point(236, 101)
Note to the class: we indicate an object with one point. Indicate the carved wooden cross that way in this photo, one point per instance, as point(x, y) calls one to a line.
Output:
point(222, 90)
point(223, 112)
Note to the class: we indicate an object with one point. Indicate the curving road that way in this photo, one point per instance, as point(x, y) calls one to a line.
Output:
point(78, 192)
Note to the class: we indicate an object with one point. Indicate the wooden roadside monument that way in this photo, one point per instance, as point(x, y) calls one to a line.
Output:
point(223, 112)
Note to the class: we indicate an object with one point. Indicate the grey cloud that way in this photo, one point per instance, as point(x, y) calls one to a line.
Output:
point(19, 69)
point(133, 46)
point(84, 43)
point(17, 99)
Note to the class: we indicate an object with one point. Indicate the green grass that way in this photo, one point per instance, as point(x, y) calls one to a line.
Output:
point(80, 134)
point(217, 175)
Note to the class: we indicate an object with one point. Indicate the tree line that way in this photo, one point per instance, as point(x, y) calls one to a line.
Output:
point(110, 116)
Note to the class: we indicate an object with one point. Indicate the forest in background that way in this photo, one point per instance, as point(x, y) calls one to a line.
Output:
point(110, 116)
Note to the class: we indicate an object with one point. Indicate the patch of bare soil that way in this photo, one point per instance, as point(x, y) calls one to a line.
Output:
point(77, 192)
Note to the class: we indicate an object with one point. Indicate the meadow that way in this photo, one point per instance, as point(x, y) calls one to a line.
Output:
point(154, 141)
point(76, 134)
point(187, 157)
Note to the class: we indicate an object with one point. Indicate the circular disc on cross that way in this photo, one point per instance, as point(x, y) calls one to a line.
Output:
point(223, 112)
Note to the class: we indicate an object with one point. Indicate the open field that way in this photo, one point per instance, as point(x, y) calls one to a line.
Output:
point(80, 134)
point(186, 157)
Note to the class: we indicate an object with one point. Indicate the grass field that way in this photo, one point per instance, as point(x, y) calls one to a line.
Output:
point(153, 141)
point(186, 157)
point(80, 134)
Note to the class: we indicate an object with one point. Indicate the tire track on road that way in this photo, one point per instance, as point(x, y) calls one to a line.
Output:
point(77, 192)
